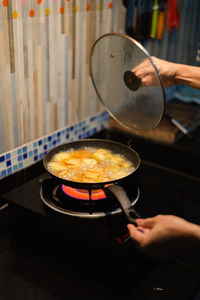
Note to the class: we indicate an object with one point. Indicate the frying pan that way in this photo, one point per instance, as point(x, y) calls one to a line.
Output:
point(111, 186)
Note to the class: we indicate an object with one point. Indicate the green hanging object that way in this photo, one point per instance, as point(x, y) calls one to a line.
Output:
point(154, 19)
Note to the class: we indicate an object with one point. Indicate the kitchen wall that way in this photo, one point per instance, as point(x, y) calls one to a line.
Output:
point(46, 93)
point(44, 64)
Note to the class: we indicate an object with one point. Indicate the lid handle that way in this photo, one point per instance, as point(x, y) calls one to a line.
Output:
point(132, 81)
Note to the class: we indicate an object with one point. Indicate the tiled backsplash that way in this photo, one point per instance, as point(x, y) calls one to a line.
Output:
point(26, 155)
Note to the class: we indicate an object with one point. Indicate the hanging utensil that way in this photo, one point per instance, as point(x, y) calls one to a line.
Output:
point(173, 15)
point(161, 20)
point(154, 19)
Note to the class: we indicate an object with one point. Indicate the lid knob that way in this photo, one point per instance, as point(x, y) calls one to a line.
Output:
point(132, 81)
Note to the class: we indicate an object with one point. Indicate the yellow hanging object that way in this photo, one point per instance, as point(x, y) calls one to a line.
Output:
point(154, 19)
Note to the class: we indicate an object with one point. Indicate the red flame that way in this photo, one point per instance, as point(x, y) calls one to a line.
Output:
point(83, 194)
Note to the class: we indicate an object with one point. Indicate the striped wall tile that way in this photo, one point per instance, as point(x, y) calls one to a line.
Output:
point(44, 65)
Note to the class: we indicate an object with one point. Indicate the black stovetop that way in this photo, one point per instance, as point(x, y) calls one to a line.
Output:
point(48, 255)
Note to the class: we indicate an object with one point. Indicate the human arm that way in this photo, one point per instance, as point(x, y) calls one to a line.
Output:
point(167, 237)
point(171, 73)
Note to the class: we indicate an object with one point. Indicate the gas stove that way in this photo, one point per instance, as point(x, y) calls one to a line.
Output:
point(82, 203)
point(81, 248)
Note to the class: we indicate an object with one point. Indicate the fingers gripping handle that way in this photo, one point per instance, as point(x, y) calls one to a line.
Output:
point(124, 201)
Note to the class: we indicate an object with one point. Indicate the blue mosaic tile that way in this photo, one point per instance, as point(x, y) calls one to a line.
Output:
point(14, 168)
point(9, 171)
point(54, 143)
point(20, 165)
point(30, 153)
point(19, 158)
point(35, 151)
point(25, 156)
point(3, 173)
point(7, 156)
point(24, 149)
point(34, 145)
point(45, 147)
point(19, 151)
point(35, 158)
point(49, 138)
point(40, 143)
point(8, 163)
point(2, 158)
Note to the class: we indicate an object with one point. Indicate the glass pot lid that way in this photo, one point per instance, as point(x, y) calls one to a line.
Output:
point(114, 58)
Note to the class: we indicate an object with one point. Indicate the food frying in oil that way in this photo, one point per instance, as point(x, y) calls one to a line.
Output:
point(90, 165)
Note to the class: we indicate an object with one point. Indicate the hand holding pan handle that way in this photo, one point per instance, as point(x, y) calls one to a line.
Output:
point(124, 201)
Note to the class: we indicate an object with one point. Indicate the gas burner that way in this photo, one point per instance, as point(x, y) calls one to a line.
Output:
point(58, 198)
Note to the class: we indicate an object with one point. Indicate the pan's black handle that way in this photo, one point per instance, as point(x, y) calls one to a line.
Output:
point(124, 201)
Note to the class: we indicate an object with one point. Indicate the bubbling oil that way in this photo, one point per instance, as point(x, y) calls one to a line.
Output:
point(90, 165)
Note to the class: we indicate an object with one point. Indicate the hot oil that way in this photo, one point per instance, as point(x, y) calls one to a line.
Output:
point(90, 165)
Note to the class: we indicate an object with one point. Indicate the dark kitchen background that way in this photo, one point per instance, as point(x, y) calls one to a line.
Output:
point(54, 252)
